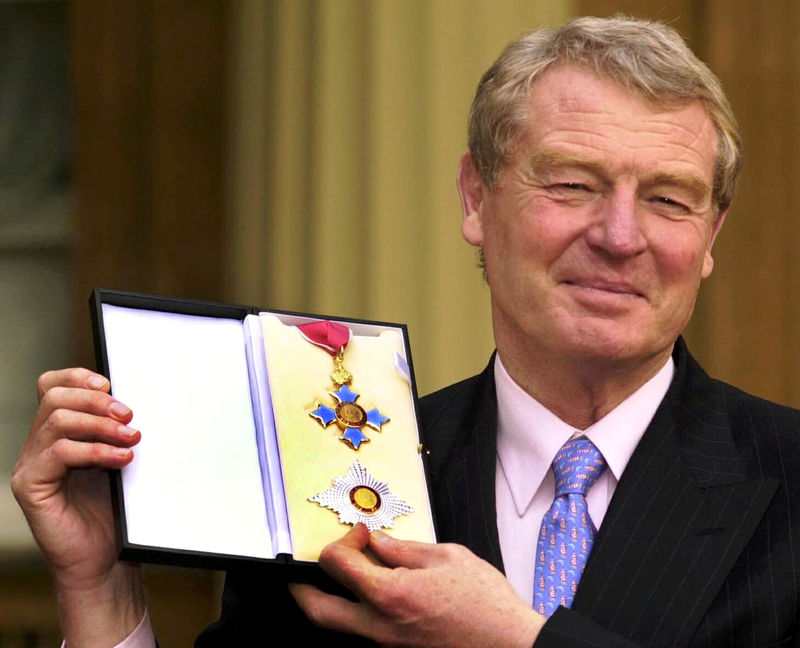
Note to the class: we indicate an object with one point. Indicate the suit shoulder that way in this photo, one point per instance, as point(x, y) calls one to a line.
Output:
point(448, 398)
point(766, 433)
point(743, 405)
point(708, 401)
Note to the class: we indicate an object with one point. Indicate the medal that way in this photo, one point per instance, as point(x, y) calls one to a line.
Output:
point(348, 415)
point(359, 497)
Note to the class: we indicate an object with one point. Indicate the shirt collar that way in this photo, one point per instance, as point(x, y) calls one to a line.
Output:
point(529, 435)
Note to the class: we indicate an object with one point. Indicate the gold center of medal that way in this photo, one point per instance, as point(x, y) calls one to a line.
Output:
point(365, 499)
point(350, 415)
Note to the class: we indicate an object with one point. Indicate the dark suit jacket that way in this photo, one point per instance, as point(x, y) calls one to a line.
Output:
point(700, 545)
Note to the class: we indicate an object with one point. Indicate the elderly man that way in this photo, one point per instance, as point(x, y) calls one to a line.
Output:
point(628, 498)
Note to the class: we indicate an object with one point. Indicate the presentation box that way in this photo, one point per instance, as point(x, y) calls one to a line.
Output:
point(265, 434)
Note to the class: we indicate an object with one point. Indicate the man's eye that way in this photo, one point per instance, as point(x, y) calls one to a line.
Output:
point(574, 186)
point(665, 202)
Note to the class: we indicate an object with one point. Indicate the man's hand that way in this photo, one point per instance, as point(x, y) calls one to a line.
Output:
point(422, 595)
point(78, 429)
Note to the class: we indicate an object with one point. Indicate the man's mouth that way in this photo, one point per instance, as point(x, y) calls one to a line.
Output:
point(610, 287)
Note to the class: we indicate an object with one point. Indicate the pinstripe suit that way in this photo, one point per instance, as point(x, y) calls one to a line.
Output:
point(699, 545)
point(701, 542)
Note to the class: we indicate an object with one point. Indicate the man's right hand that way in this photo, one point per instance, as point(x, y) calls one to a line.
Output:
point(60, 482)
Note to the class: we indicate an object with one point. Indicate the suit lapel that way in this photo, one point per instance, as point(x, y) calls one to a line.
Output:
point(680, 517)
point(460, 433)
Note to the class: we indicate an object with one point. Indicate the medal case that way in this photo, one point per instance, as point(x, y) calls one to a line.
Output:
point(251, 450)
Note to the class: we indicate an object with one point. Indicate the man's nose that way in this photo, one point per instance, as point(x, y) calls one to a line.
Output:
point(617, 227)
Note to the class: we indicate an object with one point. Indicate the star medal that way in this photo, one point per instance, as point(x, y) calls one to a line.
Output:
point(348, 415)
point(359, 497)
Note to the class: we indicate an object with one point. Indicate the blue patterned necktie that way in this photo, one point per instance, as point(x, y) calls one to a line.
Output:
point(567, 533)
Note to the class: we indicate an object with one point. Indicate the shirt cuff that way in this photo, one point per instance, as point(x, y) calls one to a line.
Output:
point(141, 637)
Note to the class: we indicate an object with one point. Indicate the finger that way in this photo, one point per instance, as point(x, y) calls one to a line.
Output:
point(404, 553)
point(82, 454)
point(345, 561)
point(80, 426)
point(356, 538)
point(73, 377)
point(329, 611)
point(98, 403)
point(36, 479)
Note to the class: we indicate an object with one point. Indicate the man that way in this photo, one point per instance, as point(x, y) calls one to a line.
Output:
point(602, 160)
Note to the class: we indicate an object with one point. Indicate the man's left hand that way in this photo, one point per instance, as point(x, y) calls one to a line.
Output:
point(422, 595)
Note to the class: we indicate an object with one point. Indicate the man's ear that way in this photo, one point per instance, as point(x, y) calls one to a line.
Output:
point(708, 260)
point(472, 192)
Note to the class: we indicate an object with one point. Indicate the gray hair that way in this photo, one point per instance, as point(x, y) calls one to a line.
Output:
point(645, 57)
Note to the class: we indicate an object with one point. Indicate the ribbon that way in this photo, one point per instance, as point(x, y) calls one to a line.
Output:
point(331, 336)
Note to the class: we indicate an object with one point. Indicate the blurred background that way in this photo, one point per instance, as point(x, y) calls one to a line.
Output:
point(301, 154)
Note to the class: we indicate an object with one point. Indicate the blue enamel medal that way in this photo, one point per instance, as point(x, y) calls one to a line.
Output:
point(348, 415)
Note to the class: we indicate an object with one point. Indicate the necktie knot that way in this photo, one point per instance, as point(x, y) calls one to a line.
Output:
point(577, 466)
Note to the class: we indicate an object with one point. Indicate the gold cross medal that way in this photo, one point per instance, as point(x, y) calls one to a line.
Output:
point(359, 497)
point(348, 415)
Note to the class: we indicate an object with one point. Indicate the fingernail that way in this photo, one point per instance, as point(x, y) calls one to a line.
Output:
point(96, 382)
point(118, 409)
point(124, 430)
point(121, 452)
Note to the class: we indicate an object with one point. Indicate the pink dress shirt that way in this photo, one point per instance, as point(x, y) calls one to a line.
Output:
point(528, 437)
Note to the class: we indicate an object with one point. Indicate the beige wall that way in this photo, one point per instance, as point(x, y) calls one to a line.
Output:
point(349, 120)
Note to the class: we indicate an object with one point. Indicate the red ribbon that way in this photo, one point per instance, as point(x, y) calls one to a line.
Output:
point(326, 334)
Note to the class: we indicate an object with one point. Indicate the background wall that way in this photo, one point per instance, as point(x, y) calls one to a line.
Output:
point(301, 154)
point(293, 154)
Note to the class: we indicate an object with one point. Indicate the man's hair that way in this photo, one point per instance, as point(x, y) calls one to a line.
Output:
point(647, 58)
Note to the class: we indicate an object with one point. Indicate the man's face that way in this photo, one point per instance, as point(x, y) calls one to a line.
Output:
point(599, 230)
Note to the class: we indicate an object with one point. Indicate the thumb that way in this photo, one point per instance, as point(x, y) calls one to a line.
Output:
point(401, 553)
